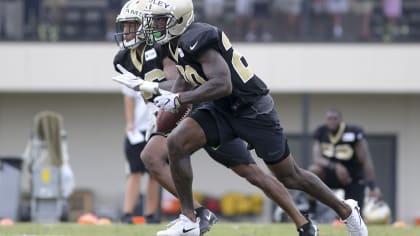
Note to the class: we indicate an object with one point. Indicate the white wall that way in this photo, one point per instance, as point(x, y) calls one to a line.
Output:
point(379, 86)
point(95, 126)
point(289, 68)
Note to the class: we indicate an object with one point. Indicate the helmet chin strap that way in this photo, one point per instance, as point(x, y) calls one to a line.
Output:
point(130, 44)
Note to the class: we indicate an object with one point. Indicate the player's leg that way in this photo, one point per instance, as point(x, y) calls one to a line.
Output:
point(234, 155)
point(185, 139)
point(152, 201)
point(131, 195)
point(265, 134)
point(319, 171)
point(272, 189)
point(153, 187)
point(132, 188)
point(292, 176)
point(328, 177)
point(155, 157)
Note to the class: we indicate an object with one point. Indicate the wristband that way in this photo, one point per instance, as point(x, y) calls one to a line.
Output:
point(150, 87)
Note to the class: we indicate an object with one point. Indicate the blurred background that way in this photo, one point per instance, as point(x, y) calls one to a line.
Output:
point(360, 56)
point(242, 20)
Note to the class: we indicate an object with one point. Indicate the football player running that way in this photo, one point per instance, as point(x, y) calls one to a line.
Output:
point(137, 60)
point(234, 154)
point(239, 105)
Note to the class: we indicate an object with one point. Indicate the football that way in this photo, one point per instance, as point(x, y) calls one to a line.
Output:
point(166, 120)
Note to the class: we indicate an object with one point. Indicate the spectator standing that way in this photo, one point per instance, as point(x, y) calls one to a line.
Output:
point(392, 12)
point(363, 8)
point(138, 118)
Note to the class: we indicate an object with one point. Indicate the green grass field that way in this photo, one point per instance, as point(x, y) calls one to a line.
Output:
point(220, 229)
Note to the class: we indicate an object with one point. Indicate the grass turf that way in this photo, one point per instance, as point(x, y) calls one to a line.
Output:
point(220, 229)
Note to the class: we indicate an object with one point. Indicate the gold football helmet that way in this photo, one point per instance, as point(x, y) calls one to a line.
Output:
point(129, 24)
point(376, 212)
point(166, 19)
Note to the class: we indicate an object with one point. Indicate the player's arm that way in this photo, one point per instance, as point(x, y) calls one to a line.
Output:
point(317, 155)
point(169, 69)
point(129, 112)
point(175, 82)
point(364, 158)
point(218, 83)
point(180, 85)
point(171, 74)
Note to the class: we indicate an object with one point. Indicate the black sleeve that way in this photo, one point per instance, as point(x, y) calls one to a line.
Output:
point(119, 59)
point(318, 133)
point(360, 134)
point(200, 39)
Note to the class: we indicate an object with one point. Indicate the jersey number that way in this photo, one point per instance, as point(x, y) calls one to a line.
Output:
point(238, 62)
point(191, 75)
point(342, 152)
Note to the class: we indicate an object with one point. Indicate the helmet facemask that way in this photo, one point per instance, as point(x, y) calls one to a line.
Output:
point(157, 27)
point(129, 33)
point(163, 22)
point(129, 26)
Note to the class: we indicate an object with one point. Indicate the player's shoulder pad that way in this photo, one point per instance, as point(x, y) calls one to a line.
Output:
point(121, 58)
point(354, 128)
point(199, 37)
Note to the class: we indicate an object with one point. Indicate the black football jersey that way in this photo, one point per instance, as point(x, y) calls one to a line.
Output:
point(199, 37)
point(340, 147)
point(149, 66)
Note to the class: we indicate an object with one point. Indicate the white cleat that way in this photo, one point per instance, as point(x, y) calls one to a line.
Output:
point(354, 223)
point(182, 226)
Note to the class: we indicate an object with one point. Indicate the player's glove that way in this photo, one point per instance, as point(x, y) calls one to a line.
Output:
point(134, 82)
point(168, 101)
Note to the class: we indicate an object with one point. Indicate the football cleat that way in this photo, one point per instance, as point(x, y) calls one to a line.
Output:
point(182, 226)
point(207, 219)
point(308, 229)
point(354, 223)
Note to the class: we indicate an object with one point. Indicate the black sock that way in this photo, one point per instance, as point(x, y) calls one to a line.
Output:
point(304, 227)
point(199, 210)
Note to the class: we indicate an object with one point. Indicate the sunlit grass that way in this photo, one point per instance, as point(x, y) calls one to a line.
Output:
point(220, 229)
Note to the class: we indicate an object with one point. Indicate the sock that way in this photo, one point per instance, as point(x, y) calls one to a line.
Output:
point(304, 227)
point(199, 210)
